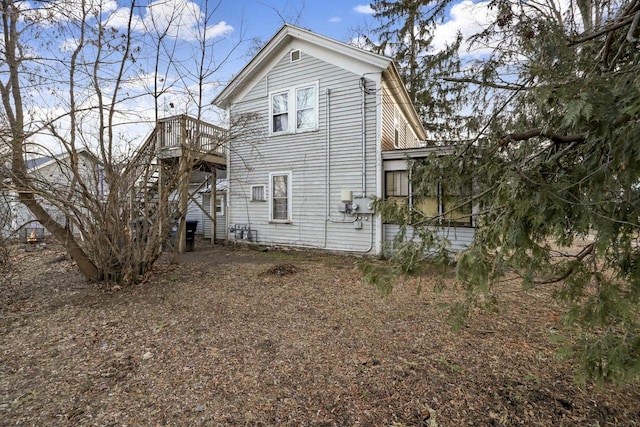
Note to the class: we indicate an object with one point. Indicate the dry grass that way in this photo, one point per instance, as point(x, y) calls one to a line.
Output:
point(238, 337)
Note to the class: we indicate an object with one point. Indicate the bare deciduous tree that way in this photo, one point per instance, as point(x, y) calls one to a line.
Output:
point(106, 199)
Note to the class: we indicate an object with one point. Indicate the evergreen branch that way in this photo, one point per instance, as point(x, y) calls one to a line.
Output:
point(532, 133)
point(632, 29)
point(587, 250)
point(492, 85)
point(613, 27)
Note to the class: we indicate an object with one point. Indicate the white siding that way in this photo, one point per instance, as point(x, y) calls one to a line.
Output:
point(305, 155)
point(221, 220)
point(194, 213)
point(459, 237)
point(54, 178)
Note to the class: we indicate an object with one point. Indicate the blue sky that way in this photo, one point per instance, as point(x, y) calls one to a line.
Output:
point(332, 18)
point(338, 19)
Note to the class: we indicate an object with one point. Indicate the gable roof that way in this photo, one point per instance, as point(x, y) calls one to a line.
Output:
point(41, 162)
point(359, 60)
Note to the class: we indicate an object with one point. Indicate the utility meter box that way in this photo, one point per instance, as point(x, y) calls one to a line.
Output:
point(365, 205)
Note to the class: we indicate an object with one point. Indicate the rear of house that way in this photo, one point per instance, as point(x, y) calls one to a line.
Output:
point(307, 160)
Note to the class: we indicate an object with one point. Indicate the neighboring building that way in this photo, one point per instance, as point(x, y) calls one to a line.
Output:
point(53, 174)
point(200, 191)
point(219, 206)
point(327, 126)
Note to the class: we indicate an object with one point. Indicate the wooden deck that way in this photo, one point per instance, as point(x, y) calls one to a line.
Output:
point(183, 135)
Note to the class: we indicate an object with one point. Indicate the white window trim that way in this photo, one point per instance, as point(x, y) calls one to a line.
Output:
point(292, 112)
point(271, 113)
point(289, 192)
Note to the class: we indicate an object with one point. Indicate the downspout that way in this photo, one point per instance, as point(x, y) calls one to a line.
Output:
point(364, 137)
point(327, 104)
point(328, 218)
point(379, 174)
point(227, 216)
point(327, 153)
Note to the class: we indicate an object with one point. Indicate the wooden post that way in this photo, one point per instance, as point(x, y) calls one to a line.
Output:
point(214, 202)
point(183, 199)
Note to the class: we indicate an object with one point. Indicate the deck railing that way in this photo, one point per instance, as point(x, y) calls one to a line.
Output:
point(185, 131)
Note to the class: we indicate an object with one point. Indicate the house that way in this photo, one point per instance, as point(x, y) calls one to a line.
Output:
point(200, 207)
point(219, 208)
point(52, 174)
point(326, 127)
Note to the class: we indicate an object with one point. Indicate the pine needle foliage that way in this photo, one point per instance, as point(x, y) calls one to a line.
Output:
point(555, 166)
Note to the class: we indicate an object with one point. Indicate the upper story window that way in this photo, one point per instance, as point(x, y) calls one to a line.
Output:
point(397, 119)
point(280, 112)
point(300, 103)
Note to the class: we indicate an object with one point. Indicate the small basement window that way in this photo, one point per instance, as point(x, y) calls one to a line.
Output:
point(295, 55)
point(257, 193)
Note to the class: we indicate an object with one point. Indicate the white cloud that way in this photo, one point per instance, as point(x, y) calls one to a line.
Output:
point(219, 29)
point(120, 19)
point(364, 8)
point(181, 19)
point(466, 17)
point(335, 19)
point(69, 45)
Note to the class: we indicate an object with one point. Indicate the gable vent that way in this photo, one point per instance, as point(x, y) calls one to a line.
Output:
point(295, 55)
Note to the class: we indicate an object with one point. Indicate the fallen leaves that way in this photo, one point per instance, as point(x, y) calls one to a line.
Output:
point(205, 342)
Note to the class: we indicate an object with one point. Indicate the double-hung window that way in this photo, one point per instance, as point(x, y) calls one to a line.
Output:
point(280, 197)
point(294, 110)
point(280, 112)
point(306, 108)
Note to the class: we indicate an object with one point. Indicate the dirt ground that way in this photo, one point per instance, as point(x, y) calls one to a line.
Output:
point(233, 336)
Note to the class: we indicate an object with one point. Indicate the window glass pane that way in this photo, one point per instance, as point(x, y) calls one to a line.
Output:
point(280, 186)
point(306, 119)
point(452, 198)
point(280, 123)
point(280, 103)
point(280, 209)
point(397, 184)
point(219, 204)
point(280, 109)
point(306, 98)
point(427, 203)
point(428, 206)
point(305, 107)
point(279, 197)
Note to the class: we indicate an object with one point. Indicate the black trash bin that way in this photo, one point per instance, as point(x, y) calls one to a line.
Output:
point(190, 235)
